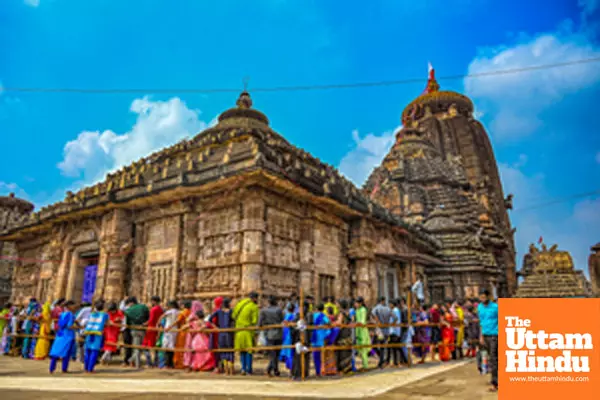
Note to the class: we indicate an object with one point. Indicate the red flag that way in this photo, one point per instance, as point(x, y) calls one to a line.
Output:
point(540, 240)
point(431, 71)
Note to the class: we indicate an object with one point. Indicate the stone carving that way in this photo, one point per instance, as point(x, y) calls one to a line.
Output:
point(280, 280)
point(217, 279)
point(85, 236)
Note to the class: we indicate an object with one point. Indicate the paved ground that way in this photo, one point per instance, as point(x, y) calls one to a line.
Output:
point(432, 381)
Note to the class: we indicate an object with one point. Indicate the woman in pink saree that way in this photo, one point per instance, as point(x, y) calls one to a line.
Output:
point(188, 356)
point(201, 358)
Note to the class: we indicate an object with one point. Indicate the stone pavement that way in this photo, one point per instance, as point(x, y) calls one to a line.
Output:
point(25, 379)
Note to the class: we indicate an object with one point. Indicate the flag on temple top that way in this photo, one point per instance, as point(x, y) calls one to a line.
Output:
point(540, 240)
point(430, 71)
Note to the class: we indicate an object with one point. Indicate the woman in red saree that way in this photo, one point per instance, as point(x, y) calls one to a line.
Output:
point(447, 346)
point(217, 303)
point(111, 332)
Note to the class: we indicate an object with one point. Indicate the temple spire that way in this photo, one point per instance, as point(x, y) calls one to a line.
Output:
point(432, 85)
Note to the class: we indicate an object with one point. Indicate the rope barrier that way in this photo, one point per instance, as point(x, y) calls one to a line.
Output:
point(255, 348)
point(261, 348)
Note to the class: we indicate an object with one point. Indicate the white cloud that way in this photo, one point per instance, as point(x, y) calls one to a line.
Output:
point(517, 100)
point(368, 152)
point(32, 3)
point(159, 124)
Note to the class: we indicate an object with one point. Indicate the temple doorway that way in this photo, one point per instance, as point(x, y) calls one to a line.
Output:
point(85, 277)
point(387, 283)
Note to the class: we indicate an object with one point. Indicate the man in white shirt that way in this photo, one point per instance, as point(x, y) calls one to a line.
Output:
point(82, 318)
point(418, 290)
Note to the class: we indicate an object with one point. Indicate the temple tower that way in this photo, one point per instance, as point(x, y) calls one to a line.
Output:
point(442, 161)
point(447, 120)
point(416, 183)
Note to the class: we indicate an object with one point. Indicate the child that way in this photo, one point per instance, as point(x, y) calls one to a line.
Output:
point(94, 330)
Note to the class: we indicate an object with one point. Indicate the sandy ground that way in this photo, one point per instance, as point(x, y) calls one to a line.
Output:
point(27, 379)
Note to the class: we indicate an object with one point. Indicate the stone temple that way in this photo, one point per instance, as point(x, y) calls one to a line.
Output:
point(238, 208)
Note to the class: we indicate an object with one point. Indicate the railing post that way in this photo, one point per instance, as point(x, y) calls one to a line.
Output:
point(409, 313)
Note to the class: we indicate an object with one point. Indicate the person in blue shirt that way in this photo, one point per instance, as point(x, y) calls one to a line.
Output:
point(318, 335)
point(94, 335)
point(64, 340)
point(488, 320)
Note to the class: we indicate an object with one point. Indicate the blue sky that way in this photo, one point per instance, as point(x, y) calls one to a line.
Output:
point(542, 124)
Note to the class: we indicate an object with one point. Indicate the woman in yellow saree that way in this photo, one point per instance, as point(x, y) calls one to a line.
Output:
point(42, 345)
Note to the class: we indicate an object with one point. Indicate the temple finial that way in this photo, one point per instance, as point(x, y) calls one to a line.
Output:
point(244, 101)
point(432, 85)
point(245, 82)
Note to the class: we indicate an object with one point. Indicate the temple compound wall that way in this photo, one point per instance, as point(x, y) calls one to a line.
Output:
point(201, 248)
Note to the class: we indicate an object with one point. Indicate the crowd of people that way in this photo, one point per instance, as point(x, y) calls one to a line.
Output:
point(183, 335)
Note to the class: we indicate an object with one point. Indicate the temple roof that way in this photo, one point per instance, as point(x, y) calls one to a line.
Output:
point(11, 201)
point(551, 273)
point(241, 142)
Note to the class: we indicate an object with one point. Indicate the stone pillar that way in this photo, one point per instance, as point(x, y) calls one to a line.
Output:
point(366, 280)
point(115, 280)
point(138, 273)
point(253, 251)
point(116, 246)
point(190, 252)
point(61, 276)
point(307, 261)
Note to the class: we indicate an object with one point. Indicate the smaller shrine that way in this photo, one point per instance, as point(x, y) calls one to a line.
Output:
point(549, 272)
point(594, 269)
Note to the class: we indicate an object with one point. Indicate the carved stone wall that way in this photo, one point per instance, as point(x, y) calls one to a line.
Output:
point(161, 257)
point(219, 246)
